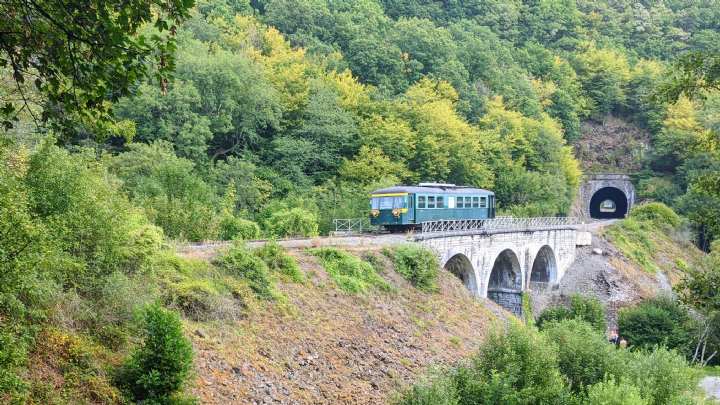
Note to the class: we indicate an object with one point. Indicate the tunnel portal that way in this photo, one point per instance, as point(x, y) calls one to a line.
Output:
point(608, 203)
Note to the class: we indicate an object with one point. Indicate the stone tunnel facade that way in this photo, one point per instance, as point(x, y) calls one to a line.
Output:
point(501, 265)
point(614, 189)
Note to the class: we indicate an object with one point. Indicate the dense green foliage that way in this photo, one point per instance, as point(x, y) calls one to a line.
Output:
point(158, 368)
point(567, 363)
point(583, 353)
point(284, 114)
point(416, 264)
point(612, 393)
point(244, 264)
point(351, 274)
point(659, 322)
point(588, 309)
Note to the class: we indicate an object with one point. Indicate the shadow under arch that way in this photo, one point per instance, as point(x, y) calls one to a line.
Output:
point(608, 203)
point(505, 283)
point(460, 266)
point(544, 269)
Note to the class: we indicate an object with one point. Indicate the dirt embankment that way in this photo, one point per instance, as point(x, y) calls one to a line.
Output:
point(327, 347)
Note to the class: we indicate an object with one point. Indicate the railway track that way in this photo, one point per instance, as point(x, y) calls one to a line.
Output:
point(210, 248)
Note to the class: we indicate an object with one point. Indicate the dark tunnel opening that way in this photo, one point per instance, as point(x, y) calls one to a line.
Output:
point(608, 203)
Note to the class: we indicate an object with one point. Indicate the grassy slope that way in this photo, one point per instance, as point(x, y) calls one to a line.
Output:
point(325, 346)
point(652, 248)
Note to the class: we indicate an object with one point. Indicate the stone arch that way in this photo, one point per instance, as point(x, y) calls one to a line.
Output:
point(505, 282)
point(544, 269)
point(461, 267)
point(608, 202)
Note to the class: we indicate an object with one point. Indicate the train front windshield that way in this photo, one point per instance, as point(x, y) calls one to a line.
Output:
point(388, 203)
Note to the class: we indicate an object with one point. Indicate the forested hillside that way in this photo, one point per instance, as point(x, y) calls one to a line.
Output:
point(299, 107)
point(129, 126)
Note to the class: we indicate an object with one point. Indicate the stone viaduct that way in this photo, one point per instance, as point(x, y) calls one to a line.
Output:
point(500, 264)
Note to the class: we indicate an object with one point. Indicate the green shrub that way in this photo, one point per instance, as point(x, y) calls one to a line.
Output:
point(516, 367)
point(554, 313)
point(588, 309)
point(350, 273)
point(240, 262)
point(195, 298)
point(418, 265)
point(85, 215)
point(292, 222)
point(232, 227)
point(158, 368)
point(612, 393)
point(584, 355)
point(658, 321)
point(657, 213)
point(145, 242)
point(278, 260)
point(663, 376)
point(112, 311)
point(439, 391)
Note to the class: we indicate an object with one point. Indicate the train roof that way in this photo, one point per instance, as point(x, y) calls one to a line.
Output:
point(430, 189)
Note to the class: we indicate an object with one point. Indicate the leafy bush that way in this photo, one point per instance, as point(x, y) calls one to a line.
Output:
point(278, 260)
point(232, 227)
point(657, 213)
point(85, 215)
point(612, 393)
point(195, 298)
point(439, 391)
point(658, 321)
point(663, 376)
point(418, 265)
point(240, 262)
point(552, 314)
point(145, 242)
point(292, 222)
point(584, 355)
point(350, 273)
point(158, 368)
point(588, 309)
point(515, 367)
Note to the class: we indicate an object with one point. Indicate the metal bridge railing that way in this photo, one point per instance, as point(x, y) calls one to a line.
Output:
point(350, 226)
point(499, 223)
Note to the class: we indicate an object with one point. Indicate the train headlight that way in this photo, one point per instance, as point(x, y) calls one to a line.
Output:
point(375, 213)
point(396, 212)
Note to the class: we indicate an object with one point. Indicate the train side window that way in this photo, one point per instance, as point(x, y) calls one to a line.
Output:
point(431, 201)
point(468, 202)
point(440, 202)
point(460, 203)
point(421, 201)
point(375, 203)
point(476, 202)
point(483, 202)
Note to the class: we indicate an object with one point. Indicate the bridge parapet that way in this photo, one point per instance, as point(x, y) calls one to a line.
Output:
point(440, 229)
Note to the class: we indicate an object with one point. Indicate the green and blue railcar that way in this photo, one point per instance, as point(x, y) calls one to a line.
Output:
point(406, 207)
